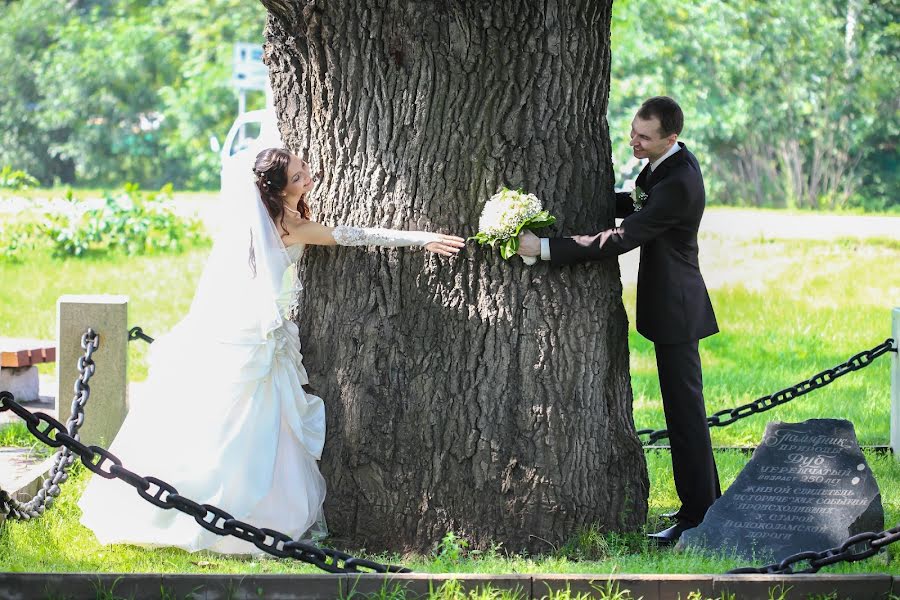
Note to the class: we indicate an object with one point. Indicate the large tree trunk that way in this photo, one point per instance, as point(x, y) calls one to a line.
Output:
point(472, 395)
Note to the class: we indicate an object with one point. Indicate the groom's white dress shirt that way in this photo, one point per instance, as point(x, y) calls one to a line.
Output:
point(545, 242)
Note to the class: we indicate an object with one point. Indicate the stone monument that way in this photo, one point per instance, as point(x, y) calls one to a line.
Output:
point(807, 487)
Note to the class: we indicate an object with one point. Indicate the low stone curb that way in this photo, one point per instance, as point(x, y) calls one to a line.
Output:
point(21, 484)
point(77, 586)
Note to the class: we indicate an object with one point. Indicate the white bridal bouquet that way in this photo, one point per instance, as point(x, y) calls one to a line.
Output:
point(504, 217)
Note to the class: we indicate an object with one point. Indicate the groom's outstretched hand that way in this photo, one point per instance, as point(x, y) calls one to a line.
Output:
point(587, 240)
point(529, 244)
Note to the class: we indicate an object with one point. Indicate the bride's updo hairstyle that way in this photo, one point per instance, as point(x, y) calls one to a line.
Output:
point(271, 171)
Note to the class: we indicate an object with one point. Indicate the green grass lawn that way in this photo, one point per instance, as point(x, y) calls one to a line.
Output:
point(789, 309)
point(832, 301)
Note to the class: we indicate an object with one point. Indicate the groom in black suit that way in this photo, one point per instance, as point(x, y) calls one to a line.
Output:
point(673, 306)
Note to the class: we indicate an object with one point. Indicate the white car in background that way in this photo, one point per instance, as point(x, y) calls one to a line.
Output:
point(252, 132)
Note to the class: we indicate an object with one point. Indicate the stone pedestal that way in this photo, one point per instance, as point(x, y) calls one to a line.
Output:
point(21, 382)
point(108, 316)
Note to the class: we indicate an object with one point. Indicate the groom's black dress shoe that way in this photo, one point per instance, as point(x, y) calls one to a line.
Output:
point(672, 516)
point(668, 537)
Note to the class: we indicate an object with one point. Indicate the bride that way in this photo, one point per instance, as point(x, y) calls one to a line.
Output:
point(223, 416)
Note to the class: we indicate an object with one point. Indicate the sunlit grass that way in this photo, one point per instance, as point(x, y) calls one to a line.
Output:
point(58, 543)
point(159, 290)
point(796, 308)
point(832, 302)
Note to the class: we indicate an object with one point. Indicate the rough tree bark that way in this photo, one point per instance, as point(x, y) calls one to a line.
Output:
point(471, 395)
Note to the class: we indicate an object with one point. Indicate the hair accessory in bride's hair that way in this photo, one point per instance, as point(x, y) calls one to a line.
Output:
point(263, 181)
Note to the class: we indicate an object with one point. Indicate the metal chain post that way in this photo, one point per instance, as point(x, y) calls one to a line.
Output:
point(63, 460)
point(819, 380)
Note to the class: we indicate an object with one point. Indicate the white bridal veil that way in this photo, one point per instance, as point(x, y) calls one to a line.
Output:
point(246, 283)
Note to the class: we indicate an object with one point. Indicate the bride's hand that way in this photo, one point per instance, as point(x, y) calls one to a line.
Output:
point(448, 245)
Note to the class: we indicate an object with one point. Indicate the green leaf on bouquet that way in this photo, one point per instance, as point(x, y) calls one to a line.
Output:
point(542, 219)
point(508, 247)
point(482, 238)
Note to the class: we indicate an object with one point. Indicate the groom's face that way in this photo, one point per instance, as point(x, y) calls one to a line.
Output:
point(647, 140)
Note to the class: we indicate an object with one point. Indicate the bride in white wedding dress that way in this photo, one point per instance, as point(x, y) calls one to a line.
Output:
point(224, 417)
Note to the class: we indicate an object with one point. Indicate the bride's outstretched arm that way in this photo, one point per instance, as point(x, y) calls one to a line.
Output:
point(310, 232)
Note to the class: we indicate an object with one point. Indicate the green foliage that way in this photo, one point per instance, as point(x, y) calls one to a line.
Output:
point(783, 106)
point(451, 549)
point(113, 91)
point(612, 591)
point(26, 30)
point(788, 104)
point(131, 223)
point(15, 179)
point(17, 239)
point(454, 590)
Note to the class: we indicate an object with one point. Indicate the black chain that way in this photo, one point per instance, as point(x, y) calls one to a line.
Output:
point(156, 491)
point(63, 459)
point(867, 544)
point(136, 333)
point(819, 380)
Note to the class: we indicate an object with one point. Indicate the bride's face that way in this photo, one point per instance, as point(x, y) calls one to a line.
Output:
point(299, 179)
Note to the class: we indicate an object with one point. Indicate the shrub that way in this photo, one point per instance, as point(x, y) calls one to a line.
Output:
point(16, 180)
point(130, 222)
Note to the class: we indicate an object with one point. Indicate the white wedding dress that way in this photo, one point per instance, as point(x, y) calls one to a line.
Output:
point(223, 417)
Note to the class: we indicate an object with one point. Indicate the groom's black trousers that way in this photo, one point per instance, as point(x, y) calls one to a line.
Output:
point(693, 465)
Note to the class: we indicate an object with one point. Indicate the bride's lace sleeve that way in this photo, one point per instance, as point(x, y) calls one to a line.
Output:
point(373, 236)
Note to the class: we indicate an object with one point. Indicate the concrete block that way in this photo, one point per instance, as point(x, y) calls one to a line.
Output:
point(108, 316)
point(803, 586)
point(21, 382)
point(638, 586)
point(78, 586)
point(419, 585)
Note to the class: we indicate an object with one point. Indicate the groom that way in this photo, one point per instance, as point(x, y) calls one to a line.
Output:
point(673, 307)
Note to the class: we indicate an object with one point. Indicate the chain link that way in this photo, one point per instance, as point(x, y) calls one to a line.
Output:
point(857, 547)
point(819, 380)
point(102, 462)
point(64, 459)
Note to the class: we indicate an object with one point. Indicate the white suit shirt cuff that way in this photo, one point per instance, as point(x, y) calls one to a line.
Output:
point(545, 248)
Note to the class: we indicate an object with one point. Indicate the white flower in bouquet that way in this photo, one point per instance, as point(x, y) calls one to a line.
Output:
point(505, 215)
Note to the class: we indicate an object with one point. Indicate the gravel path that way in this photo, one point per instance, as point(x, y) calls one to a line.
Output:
point(736, 223)
point(724, 233)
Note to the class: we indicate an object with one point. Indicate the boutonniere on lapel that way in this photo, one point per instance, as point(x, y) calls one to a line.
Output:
point(638, 198)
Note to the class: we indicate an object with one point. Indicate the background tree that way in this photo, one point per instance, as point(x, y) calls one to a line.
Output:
point(471, 395)
point(789, 103)
point(106, 92)
point(25, 31)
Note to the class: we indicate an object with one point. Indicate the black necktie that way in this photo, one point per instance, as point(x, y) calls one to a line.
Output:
point(642, 179)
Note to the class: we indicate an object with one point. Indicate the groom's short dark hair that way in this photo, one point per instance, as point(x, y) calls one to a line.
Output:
point(671, 119)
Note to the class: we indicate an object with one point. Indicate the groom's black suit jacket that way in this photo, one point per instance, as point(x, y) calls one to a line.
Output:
point(672, 302)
